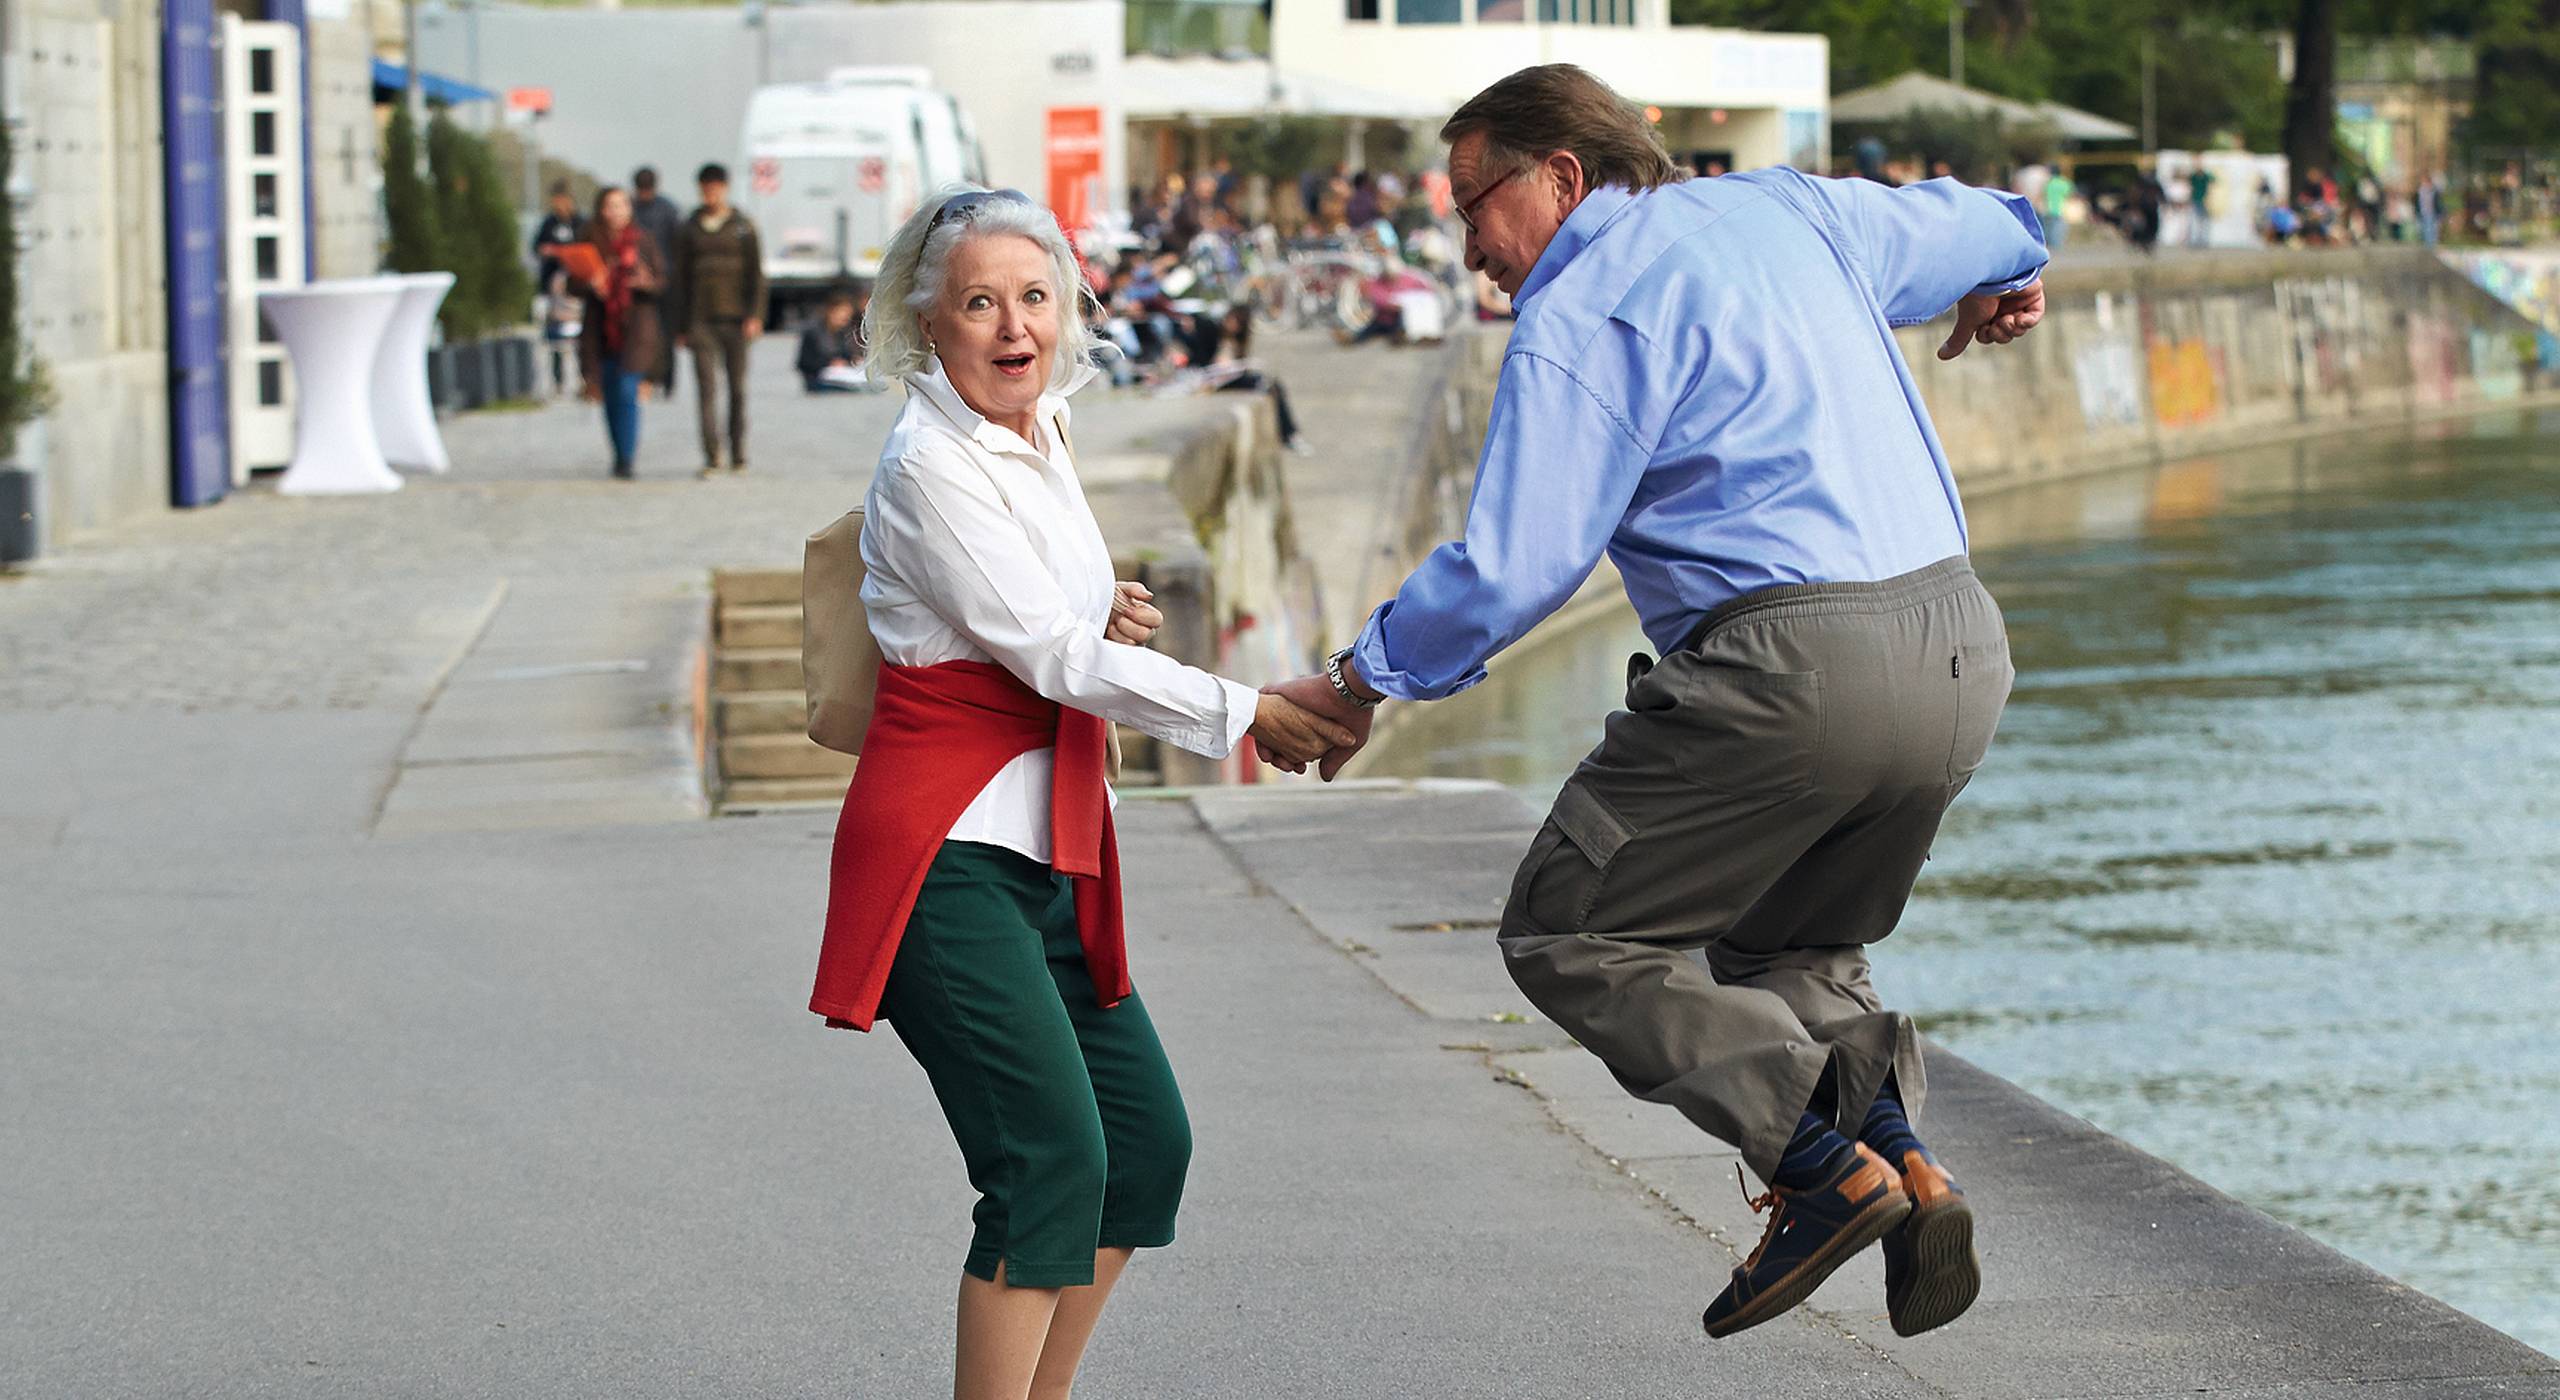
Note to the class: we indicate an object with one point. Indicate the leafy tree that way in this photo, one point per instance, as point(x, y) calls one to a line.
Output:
point(2517, 104)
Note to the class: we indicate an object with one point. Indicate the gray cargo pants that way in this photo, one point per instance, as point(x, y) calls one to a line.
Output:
point(1765, 799)
point(720, 348)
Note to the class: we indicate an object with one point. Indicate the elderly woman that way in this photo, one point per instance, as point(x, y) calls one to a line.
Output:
point(975, 899)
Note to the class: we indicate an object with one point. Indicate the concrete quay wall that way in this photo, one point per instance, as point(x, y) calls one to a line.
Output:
point(2139, 363)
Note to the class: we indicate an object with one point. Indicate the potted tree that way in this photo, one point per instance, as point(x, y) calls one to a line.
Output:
point(26, 392)
point(416, 243)
point(491, 288)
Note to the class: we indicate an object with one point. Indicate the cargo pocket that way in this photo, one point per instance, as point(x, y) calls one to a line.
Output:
point(1560, 879)
point(1743, 732)
point(1982, 677)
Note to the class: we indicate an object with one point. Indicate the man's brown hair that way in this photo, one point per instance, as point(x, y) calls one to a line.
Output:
point(1553, 107)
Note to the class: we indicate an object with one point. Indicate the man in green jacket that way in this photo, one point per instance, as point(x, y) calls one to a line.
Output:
point(718, 298)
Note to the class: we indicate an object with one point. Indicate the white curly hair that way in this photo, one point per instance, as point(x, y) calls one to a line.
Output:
point(912, 269)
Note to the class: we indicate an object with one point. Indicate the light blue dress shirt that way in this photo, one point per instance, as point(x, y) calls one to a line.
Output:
point(1704, 385)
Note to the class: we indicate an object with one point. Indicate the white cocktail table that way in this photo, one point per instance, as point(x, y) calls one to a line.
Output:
point(404, 416)
point(333, 332)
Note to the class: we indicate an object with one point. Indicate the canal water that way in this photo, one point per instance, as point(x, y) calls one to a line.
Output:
point(2261, 873)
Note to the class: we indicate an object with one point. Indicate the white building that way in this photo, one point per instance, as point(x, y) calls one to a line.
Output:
point(668, 86)
point(1746, 99)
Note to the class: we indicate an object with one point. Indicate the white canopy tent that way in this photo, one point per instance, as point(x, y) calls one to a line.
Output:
point(1916, 91)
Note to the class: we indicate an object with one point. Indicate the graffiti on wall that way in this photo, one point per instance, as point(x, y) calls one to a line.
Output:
point(2526, 279)
point(2183, 391)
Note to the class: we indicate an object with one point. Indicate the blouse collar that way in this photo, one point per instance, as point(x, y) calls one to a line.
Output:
point(935, 385)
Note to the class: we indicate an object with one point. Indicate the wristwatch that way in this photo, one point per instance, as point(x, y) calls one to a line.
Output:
point(1341, 687)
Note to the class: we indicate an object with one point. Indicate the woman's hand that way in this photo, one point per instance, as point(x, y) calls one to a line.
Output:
point(1133, 618)
point(1291, 734)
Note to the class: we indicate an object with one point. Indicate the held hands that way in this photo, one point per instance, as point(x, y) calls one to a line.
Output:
point(1290, 736)
point(1314, 695)
point(1133, 618)
point(1994, 320)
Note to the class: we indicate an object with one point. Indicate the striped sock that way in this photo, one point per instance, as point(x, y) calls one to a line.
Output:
point(1811, 1156)
point(1888, 1128)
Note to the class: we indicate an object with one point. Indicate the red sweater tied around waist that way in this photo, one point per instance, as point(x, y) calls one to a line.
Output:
point(938, 734)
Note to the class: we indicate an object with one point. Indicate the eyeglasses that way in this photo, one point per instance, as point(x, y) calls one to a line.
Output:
point(1467, 211)
point(960, 204)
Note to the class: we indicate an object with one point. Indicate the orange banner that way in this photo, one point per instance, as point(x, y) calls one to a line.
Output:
point(1075, 164)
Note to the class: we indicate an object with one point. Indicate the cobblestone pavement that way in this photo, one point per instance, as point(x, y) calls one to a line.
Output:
point(268, 602)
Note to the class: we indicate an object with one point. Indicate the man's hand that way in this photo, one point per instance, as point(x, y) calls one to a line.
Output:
point(754, 327)
point(1291, 736)
point(1994, 320)
point(1316, 694)
point(1133, 618)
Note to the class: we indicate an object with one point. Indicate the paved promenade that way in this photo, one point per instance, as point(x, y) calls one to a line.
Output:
point(378, 1018)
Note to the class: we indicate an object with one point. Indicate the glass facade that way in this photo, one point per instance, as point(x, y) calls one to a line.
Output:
point(1221, 28)
point(1621, 12)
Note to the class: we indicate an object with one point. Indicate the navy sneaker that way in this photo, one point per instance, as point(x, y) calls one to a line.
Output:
point(1931, 1274)
point(1811, 1232)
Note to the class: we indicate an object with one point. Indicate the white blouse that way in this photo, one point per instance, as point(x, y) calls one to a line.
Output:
point(979, 546)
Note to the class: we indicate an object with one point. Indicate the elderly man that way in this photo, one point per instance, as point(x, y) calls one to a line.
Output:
point(1704, 385)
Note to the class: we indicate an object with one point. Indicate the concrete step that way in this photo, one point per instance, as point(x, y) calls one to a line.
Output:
point(759, 625)
point(783, 792)
point(752, 586)
point(756, 668)
point(779, 756)
point(764, 712)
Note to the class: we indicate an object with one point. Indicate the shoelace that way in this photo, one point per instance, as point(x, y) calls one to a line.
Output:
point(1765, 1202)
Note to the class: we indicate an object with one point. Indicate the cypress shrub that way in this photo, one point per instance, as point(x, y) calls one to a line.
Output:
point(26, 391)
point(406, 200)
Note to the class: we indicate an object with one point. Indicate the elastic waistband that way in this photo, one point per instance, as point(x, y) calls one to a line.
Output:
point(1926, 585)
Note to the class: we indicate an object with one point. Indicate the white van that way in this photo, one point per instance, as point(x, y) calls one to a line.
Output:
point(832, 168)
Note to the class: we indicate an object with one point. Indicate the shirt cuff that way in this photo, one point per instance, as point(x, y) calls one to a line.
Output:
point(2025, 213)
point(1370, 655)
point(1242, 702)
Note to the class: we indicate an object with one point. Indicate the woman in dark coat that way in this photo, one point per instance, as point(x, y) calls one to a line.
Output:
point(619, 336)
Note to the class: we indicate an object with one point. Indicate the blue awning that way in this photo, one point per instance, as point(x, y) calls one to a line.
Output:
point(391, 79)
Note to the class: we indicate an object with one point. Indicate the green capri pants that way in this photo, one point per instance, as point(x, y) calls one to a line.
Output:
point(1066, 1113)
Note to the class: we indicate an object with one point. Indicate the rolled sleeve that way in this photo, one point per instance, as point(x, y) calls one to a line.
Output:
point(1560, 465)
point(1925, 245)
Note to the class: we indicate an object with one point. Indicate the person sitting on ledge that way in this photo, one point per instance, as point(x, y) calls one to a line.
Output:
point(831, 348)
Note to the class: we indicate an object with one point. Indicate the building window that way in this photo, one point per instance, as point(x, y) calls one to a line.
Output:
point(1619, 12)
point(262, 133)
point(1501, 11)
point(1360, 9)
point(264, 196)
point(1428, 11)
point(262, 70)
point(270, 383)
point(270, 260)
